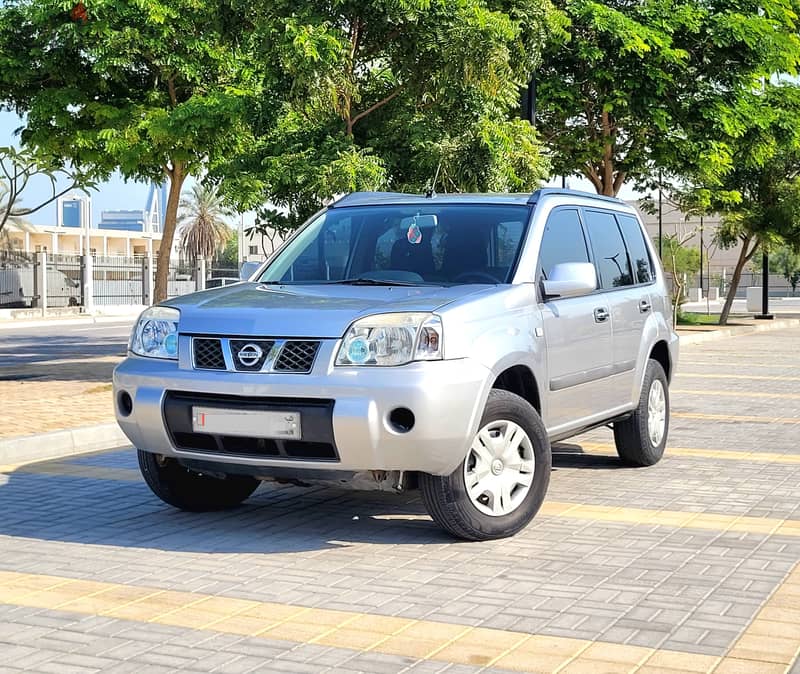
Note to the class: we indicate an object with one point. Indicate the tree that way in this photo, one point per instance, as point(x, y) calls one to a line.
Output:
point(787, 262)
point(390, 95)
point(759, 197)
point(153, 88)
point(653, 83)
point(19, 167)
point(228, 256)
point(678, 260)
point(204, 229)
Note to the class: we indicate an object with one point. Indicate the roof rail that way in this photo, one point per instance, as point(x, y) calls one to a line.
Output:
point(360, 198)
point(550, 191)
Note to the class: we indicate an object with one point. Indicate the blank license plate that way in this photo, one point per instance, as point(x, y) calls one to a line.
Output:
point(255, 423)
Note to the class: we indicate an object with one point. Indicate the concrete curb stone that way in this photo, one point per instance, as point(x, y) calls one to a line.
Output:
point(59, 444)
point(738, 330)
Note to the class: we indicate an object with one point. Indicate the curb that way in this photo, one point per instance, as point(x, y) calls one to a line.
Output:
point(738, 330)
point(21, 324)
point(59, 444)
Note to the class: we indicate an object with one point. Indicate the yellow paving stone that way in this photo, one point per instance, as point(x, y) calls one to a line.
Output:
point(648, 669)
point(780, 614)
point(226, 605)
point(386, 625)
point(589, 666)
point(275, 612)
point(435, 631)
point(296, 631)
point(327, 617)
point(407, 646)
point(616, 653)
point(480, 646)
point(553, 646)
point(767, 648)
point(737, 666)
point(531, 663)
point(143, 611)
point(241, 624)
point(685, 662)
point(344, 637)
point(770, 628)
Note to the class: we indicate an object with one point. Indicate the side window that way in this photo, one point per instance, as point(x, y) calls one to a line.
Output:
point(640, 259)
point(563, 240)
point(610, 255)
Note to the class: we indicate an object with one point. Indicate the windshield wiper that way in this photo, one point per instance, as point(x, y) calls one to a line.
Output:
point(366, 281)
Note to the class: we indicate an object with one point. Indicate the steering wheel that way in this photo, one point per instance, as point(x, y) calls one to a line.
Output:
point(476, 277)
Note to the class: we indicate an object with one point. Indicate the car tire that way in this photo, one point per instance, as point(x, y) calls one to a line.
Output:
point(502, 501)
point(185, 489)
point(641, 438)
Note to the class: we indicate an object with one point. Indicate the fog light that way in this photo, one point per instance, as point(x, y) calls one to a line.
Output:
point(401, 419)
point(124, 403)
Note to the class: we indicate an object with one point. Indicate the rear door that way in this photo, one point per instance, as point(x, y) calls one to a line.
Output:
point(577, 331)
point(627, 296)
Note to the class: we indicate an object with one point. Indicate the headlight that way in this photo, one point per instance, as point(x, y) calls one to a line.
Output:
point(392, 339)
point(156, 333)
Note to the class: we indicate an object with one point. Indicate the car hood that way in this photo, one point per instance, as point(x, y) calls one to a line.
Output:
point(325, 311)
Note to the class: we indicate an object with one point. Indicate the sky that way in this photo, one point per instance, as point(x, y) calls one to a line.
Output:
point(115, 194)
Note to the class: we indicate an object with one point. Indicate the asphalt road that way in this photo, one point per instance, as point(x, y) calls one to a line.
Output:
point(63, 342)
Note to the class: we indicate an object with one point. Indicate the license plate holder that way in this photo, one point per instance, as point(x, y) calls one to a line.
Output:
point(251, 423)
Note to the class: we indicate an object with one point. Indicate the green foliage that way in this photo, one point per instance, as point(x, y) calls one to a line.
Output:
point(658, 83)
point(388, 95)
point(228, 256)
point(153, 88)
point(786, 260)
point(677, 258)
point(203, 223)
point(18, 168)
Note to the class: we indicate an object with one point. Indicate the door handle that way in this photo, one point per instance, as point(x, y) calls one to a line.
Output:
point(645, 306)
point(600, 315)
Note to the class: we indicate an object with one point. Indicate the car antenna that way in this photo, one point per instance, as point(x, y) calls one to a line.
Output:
point(430, 192)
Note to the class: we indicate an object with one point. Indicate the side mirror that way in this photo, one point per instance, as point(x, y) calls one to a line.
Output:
point(247, 270)
point(570, 279)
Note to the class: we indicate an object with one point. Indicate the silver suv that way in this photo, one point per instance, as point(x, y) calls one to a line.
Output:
point(398, 341)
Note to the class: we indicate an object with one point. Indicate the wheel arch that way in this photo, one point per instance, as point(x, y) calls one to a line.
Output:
point(660, 353)
point(519, 379)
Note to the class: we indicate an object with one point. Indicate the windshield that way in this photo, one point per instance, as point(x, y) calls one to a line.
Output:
point(417, 245)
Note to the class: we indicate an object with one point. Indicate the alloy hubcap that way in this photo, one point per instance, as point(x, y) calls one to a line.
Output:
point(656, 412)
point(498, 471)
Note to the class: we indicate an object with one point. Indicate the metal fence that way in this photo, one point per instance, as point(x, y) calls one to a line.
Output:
point(17, 279)
point(119, 280)
point(64, 281)
point(181, 278)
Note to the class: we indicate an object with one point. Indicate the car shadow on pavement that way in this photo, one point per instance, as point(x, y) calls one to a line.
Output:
point(276, 519)
point(568, 455)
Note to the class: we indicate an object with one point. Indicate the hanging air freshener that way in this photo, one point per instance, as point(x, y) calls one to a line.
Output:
point(414, 234)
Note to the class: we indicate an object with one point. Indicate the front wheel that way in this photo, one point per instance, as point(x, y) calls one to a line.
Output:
point(178, 486)
point(641, 438)
point(502, 482)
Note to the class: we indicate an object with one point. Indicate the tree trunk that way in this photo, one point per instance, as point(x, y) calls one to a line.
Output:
point(744, 258)
point(177, 177)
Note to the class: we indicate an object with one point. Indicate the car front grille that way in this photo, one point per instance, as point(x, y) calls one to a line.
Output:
point(297, 357)
point(293, 356)
point(208, 354)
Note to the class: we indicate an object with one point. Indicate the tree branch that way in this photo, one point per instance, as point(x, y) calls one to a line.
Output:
point(374, 106)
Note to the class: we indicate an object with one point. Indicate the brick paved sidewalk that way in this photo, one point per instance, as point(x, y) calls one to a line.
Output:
point(55, 395)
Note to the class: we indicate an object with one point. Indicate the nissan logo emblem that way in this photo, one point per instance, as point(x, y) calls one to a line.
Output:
point(249, 354)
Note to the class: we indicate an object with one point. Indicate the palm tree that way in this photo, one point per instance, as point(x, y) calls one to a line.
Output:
point(202, 222)
point(17, 221)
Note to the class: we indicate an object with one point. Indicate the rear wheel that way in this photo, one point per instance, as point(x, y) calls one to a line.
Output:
point(502, 482)
point(641, 438)
point(185, 489)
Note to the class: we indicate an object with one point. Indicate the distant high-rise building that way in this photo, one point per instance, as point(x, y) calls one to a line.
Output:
point(74, 210)
point(130, 220)
point(156, 207)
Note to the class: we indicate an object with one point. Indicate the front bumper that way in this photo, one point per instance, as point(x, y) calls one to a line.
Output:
point(446, 397)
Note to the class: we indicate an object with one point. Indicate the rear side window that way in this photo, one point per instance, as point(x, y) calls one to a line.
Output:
point(563, 241)
point(637, 249)
point(610, 255)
